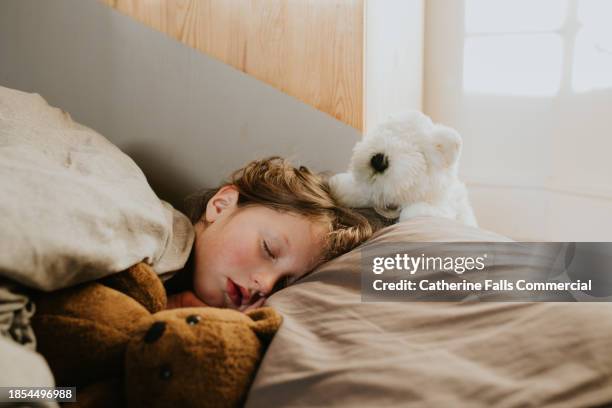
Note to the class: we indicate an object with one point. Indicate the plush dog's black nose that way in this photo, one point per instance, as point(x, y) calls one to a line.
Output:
point(155, 332)
point(379, 162)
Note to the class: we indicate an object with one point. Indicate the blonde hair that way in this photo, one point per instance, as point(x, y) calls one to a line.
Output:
point(274, 183)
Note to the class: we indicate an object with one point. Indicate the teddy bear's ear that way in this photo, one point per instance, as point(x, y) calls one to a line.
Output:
point(266, 322)
point(447, 144)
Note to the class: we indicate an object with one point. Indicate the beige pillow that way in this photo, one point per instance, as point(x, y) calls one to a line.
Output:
point(335, 351)
point(74, 207)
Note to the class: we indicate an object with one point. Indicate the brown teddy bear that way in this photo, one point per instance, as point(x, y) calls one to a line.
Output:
point(114, 341)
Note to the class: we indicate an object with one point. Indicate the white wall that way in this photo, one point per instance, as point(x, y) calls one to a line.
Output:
point(529, 86)
point(187, 119)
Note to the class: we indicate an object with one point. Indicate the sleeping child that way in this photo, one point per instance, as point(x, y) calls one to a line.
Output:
point(269, 225)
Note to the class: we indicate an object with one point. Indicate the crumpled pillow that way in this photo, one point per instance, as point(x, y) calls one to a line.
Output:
point(74, 207)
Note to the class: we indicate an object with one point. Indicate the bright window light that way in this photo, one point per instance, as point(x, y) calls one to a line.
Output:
point(595, 12)
point(495, 16)
point(592, 67)
point(526, 65)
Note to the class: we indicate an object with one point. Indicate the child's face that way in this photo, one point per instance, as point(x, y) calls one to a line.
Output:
point(245, 251)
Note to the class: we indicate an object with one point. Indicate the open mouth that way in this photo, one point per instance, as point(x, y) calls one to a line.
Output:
point(238, 295)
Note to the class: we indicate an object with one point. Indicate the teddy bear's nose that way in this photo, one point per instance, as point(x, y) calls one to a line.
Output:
point(155, 332)
point(379, 162)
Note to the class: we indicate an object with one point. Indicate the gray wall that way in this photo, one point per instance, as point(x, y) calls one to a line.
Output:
point(185, 118)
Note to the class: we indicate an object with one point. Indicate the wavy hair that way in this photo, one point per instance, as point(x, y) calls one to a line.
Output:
point(274, 183)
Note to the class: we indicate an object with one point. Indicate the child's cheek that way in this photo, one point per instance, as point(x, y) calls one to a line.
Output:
point(240, 259)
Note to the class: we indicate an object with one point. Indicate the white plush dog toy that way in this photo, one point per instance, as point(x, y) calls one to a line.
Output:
point(407, 167)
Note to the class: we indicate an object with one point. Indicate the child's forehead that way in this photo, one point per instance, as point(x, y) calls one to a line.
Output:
point(285, 214)
point(292, 225)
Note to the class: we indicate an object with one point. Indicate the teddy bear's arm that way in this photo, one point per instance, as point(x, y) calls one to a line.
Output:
point(141, 283)
point(349, 192)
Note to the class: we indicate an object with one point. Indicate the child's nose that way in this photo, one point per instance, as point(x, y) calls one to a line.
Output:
point(264, 282)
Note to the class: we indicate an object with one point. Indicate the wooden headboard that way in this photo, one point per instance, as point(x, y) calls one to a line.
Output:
point(353, 59)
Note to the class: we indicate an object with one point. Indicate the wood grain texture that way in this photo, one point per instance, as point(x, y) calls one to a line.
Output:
point(310, 49)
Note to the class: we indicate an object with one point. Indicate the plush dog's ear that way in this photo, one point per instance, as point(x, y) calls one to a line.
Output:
point(446, 144)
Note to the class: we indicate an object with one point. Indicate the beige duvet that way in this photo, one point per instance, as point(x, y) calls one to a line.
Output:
point(334, 351)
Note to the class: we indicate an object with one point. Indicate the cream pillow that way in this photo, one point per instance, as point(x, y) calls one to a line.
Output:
point(74, 207)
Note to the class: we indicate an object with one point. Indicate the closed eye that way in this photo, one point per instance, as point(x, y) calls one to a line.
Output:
point(268, 251)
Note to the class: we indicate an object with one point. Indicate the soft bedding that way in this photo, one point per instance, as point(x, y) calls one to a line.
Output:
point(74, 208)
point(335, 351)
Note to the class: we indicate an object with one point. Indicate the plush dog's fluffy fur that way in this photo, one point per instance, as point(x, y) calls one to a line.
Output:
point(407, 167)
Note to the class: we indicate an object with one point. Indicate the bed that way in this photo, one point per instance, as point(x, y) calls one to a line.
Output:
point(332, 349)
